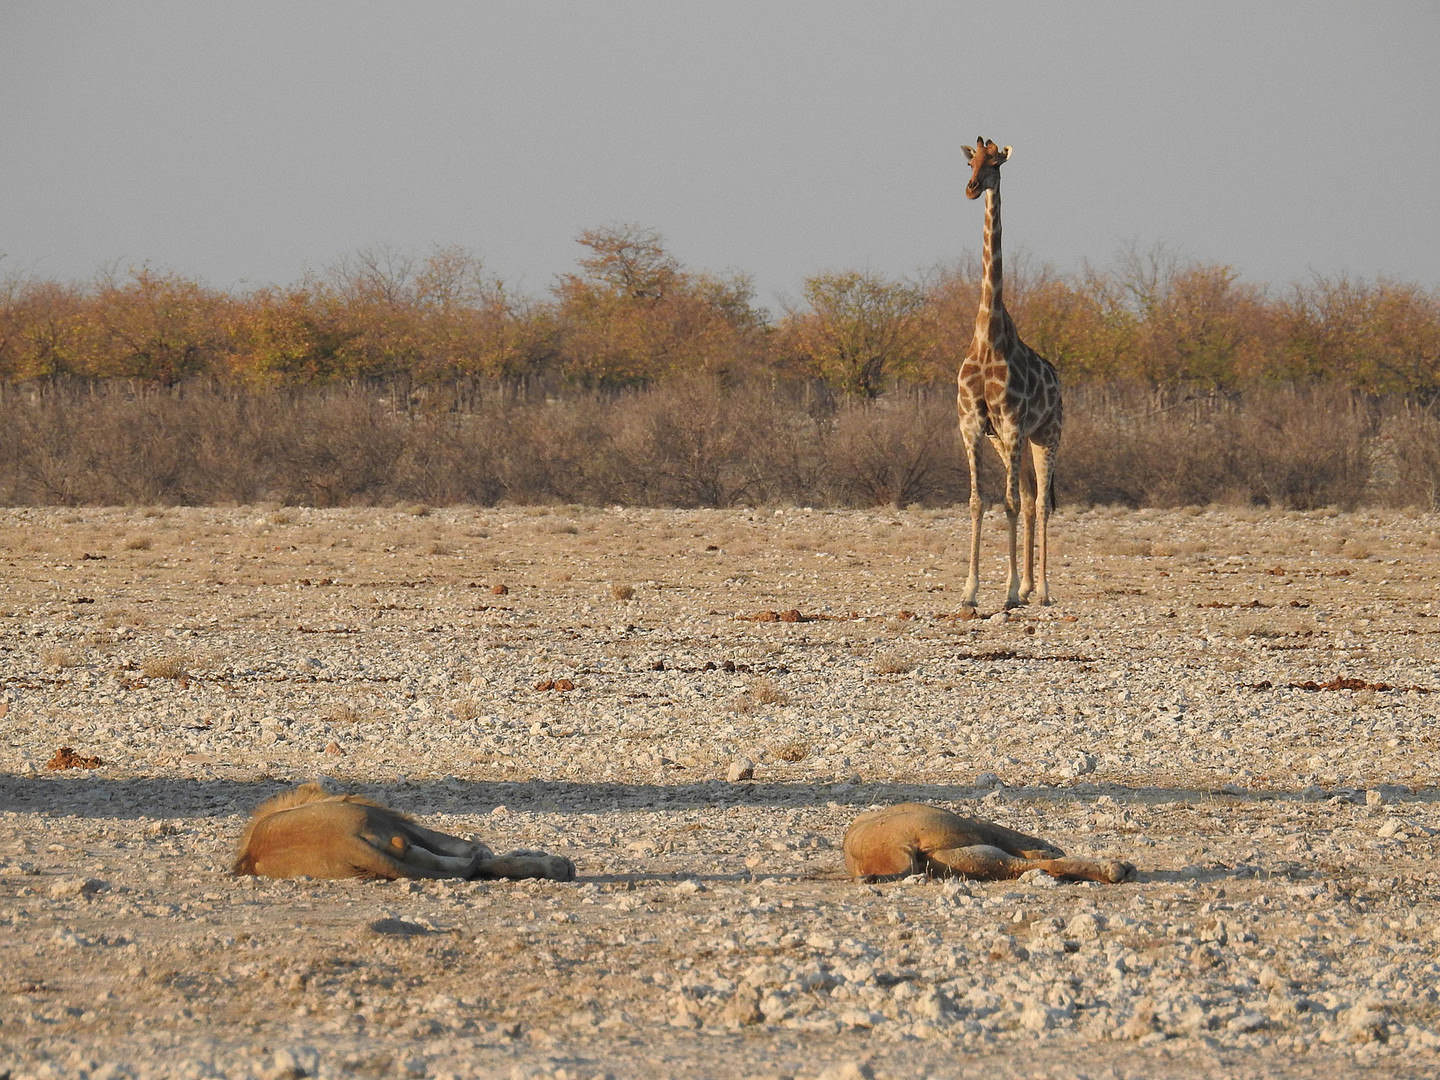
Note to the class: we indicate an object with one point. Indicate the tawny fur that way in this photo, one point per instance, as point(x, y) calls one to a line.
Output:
point(913, 838)
point(310, 833)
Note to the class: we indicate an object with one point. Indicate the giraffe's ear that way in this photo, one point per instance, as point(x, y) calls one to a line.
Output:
point(1004, 155)
point(969, 152)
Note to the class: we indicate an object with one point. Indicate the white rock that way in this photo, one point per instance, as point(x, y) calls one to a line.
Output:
point(1035, 1015)
point(1365, 1021)
point(1038, 879)
point(1247, 1021)
point(934, 1006)
point(1083, 927)
point(75, 886)
point(292, 1062)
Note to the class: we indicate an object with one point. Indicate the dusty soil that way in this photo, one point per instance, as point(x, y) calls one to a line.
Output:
point(1241, 703)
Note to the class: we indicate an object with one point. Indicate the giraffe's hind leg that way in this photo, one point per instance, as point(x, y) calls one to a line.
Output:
point(1011, 456)
point(1027, 519)
point(1044, 457)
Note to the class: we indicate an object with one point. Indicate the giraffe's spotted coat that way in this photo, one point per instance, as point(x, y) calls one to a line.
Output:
point(1009, 394)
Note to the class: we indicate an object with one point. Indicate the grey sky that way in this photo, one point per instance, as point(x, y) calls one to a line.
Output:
point(242, 143)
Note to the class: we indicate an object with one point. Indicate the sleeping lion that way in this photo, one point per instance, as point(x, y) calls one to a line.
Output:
point(310, 833)
point(913, 838)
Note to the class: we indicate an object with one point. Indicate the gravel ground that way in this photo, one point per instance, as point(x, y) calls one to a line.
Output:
point(692, 705)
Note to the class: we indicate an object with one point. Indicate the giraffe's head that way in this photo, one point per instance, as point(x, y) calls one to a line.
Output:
point(986, 158)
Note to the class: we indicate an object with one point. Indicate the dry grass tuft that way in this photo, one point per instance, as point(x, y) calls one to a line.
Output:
point(138, 543)
point(57, 657)
point(342, 712)
point(622, 592)
point(1170, 549)
point(768, 692)
point(163, 667)
point(894, 663)
point(1133, 547)
point(762, 691)
point(792, 751)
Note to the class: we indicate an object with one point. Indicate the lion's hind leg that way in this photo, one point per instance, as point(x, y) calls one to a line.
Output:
point(397, 855)
point(1014, 843)
point(440, 843)
point(1108, 871)
point(992, 864)
point(981, 861)
point(525, 864)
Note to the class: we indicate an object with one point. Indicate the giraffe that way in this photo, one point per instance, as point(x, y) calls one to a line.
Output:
point(1010, 395)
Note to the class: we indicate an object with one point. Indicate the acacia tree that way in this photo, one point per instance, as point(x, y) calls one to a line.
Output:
point(281, 336)
point(152, 325)
point(1060, 317)
point(1379, 337)
point(634, 315)
point(1195, 320)
point(385, 311)
point(631, 260)
point(41, 325)
point(859, 331)
point(469, 324)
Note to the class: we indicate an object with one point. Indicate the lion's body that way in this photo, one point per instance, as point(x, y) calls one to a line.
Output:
point(913, 838)
point(310, 833)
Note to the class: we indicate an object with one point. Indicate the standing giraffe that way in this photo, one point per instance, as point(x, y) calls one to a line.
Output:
point(1010, 394)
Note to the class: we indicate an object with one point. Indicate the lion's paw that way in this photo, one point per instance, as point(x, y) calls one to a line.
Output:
point(553, 867)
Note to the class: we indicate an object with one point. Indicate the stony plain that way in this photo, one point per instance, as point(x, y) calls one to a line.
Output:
point(692, 705)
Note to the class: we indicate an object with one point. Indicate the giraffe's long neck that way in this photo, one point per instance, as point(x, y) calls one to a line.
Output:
point(990, 318)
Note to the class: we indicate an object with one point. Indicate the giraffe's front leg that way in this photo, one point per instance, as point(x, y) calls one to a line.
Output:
point(977, 510)
point(1012, 515)
point(972, 579)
